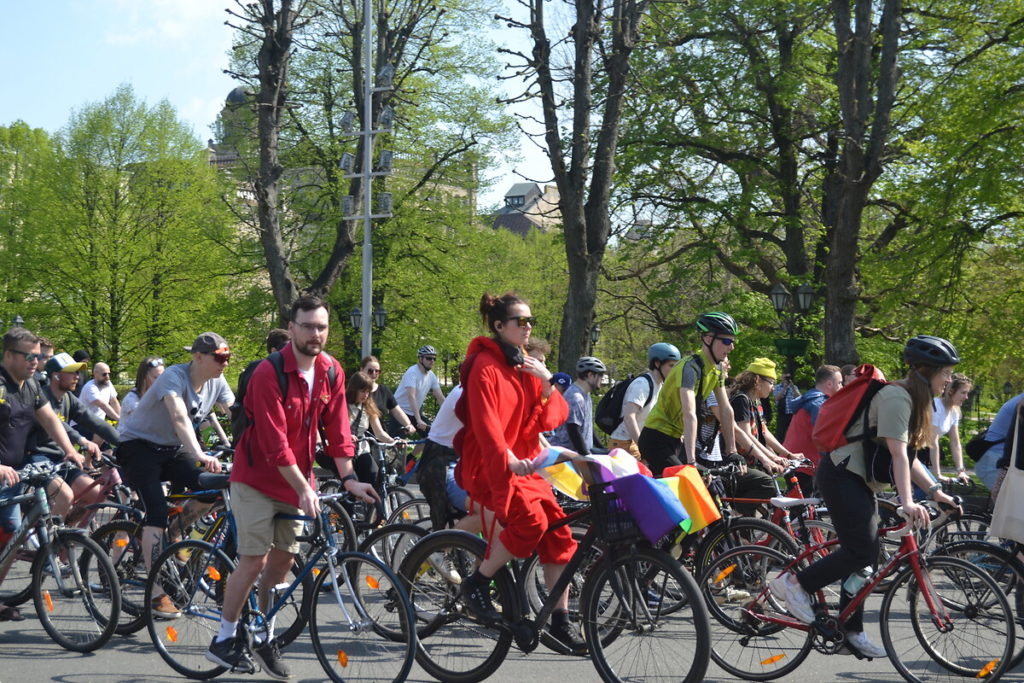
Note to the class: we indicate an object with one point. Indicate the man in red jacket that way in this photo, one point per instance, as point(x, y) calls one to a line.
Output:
point(273, 473)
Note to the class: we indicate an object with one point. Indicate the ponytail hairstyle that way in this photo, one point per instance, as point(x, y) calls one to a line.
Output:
point(959, 381)
point(919, 385)
point(494, 309)
point(356, 383)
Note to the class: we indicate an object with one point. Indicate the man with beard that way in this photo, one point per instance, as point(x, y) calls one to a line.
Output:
point(273, 473)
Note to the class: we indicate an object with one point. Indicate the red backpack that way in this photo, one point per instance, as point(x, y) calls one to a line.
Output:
point(838, 412)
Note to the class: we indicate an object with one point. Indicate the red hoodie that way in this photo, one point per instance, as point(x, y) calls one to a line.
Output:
point(501, 408)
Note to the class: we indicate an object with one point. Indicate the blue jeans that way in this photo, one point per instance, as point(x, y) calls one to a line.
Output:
point(10, 515)
point(456, 496)
point(986, 467)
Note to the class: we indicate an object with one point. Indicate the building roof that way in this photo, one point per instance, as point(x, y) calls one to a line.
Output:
point(522, 190)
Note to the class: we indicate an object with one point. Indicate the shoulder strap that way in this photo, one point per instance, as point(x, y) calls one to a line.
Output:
point(277, 360)
point(650, 389)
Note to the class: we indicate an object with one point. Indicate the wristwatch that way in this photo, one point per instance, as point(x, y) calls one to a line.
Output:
point(937, 486)
point(347, 478)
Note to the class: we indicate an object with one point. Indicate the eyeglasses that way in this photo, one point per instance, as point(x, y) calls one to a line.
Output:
point(221, 358)
point(769, 380)
point(728, 341)
point(523, 320)
point(155, 363)
point(431, 358)
point(29, 355)
point(311, 328)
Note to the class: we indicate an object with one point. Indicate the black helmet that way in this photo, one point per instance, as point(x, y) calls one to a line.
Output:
point(590, 364)
point(925, 349)
point(717, 322)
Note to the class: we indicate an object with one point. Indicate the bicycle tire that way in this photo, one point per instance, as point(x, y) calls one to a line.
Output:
point(1005, 568)
point(737, 531)
point(390, 501)
point(415, 511)
point(122, 541)
point(390, 544)
point(981, 618)
point(451, 645)
point(195, 585)
point(627, 598)
point(75, 591)
point(16, 587)
point(375, 608)
point(969, 526)
point(293, 616)
point(734, 589)
point(343, 528)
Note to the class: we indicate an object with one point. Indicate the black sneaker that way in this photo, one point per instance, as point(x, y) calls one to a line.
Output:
point(229, 653)
point(568, 634)
point(269, 657)
point(476, 594)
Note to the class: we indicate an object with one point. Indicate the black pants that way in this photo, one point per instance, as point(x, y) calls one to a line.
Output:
point(433, 473)
point(854, 514)
point(146, 465)
point(659, 450)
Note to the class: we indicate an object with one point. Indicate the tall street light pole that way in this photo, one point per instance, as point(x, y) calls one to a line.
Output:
point(791, 347)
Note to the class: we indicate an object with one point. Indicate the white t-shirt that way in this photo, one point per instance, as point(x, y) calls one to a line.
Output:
point(308, 375)
point(128, 405)
point(943, 420)
point(446, 425)
point(92, 392)
point(636, 393)
point(422, 381)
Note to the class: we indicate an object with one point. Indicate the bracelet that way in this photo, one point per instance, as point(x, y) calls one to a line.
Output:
point(348, 477)
point(937, 486)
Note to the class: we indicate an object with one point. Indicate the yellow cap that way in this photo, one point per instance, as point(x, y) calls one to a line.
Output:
point(764, 367)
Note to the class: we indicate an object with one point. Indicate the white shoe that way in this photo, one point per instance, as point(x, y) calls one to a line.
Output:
point(862, 644)
point(732, 595)
point(797, 601)
point(443, 565)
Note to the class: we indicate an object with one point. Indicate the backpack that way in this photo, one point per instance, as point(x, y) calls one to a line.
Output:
point(837, 415)
point(608, 415)
point(239, 420)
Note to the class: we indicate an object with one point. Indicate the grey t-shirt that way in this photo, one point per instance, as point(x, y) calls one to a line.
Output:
point(580, 413)
point(151, 420)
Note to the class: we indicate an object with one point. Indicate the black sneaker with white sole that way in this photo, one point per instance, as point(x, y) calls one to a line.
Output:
point(229, 653)
point(269, 656)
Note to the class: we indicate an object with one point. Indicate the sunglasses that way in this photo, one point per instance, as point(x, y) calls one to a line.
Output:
point(29, 355)
point(372, 371)
point(429, 357)
point(155, 363)
point(728, 341)
point(523, 320)
point(221, 358)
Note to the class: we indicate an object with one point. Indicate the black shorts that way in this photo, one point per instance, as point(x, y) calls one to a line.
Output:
point(147, 465)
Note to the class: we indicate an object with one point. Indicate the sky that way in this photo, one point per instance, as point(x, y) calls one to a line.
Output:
point(60, 55)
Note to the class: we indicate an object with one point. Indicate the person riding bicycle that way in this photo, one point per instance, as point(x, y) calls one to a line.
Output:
point(669, 436)
point(901, 414)
point(577, 432)
point(418, 381)
point(508, 401)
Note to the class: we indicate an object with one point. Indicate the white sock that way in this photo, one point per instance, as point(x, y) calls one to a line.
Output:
point(260, 638)
point(227, 630)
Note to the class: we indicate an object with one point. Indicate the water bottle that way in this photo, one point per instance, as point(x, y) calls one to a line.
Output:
point(201, 526)
point(857, 580)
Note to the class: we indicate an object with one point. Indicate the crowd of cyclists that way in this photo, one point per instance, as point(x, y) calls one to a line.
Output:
point(297, 411)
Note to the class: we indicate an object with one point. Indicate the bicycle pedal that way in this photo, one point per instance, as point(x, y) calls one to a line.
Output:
point(246, 667)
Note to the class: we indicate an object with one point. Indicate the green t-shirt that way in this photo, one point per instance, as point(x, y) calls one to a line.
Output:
point(694, 373)
point(889, 411)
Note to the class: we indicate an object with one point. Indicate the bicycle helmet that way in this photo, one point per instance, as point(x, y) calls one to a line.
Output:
point(662, 352)
point(427, 350)
point(717, 322)
point(590, 364)
point(924, 349)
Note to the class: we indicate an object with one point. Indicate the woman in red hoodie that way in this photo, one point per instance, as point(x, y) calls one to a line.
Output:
point(507, 401)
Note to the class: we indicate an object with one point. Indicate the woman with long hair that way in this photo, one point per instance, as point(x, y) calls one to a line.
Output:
point(946, 420)
point(753, 438)
point(901, 414)
point(364, 417)
point(507, 401)
point(149, 369)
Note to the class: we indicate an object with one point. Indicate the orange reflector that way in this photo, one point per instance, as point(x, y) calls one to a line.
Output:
point(342, 658)
point(406, 515)
point(772, 660)
point(987, 669)
point(49, 600)
point(121, 542)
point(172, 634)
point(725, 572)
point(316, 572)
point(372, 582)
point(212, 572)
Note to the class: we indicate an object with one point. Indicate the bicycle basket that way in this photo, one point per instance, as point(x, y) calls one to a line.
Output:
point(613, 522)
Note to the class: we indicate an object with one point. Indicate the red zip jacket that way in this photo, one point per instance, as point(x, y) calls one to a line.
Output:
point(282, 433)
point(500, 409)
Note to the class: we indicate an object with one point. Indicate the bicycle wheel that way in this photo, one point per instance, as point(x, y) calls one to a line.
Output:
point(16, 587)
point(122, 542)
point(362, 627)
point(966, 527)
point(973, 636)
point(193, 574)
point(75, 591)
point(1007, 571)
point(738, 531)
point(453, 646)
point(390, 544)
point(415, 511)
point(293, 615)
point(628, 598)
point(734, 587)
point(341, 526)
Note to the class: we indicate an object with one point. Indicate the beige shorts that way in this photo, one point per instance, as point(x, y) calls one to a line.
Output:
point(254, 519)
point(626, 445)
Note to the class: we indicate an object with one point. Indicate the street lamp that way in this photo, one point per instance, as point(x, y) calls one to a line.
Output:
point(789, 309)
point(449, 357)
point(1007, 390)
point(595, 334)
point(355, 317)
point(380, 317)
point(18, 321)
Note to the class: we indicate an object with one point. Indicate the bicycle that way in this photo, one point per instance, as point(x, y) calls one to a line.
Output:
point(935, 609)
point(354, 597)
point(73, 584)
point(641, 611)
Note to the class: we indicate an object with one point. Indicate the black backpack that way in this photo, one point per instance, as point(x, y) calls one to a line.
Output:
point(239, 420)
point(608, 415)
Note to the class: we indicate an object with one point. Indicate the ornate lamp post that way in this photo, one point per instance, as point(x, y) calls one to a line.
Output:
point(790, 309)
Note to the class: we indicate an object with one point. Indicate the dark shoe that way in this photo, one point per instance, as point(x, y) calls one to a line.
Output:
point(269, 657)
point(10, 613)
point(568, 634)
point(163, 607)
point(476, 594)
point(229, 653)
